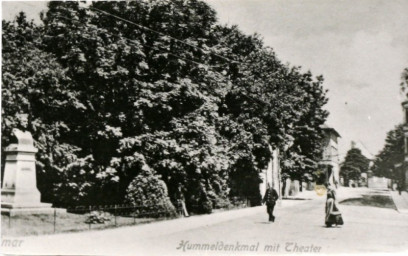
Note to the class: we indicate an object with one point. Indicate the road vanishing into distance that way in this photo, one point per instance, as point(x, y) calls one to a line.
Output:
point(299, 228)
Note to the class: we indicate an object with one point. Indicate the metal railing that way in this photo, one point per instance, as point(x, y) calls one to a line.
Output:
point(88, 217)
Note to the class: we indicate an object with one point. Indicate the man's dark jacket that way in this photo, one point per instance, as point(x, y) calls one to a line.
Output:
point(270, 196)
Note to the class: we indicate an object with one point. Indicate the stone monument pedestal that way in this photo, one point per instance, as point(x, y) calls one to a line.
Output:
point(19, 193)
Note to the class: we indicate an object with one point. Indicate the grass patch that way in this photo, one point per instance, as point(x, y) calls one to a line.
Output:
point(39, 224)
point(382, 201)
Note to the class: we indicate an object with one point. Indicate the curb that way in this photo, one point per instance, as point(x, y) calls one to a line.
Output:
point(399, 201)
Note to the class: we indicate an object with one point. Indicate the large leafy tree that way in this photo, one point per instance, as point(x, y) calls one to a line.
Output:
point(391, 155)
point(137, 97)
point(197, 104)
point(288, 104)
point(354, 164)
point(33, 82)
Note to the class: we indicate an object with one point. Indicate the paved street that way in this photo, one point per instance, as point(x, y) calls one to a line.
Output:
point(401, 201)
point(299, 228)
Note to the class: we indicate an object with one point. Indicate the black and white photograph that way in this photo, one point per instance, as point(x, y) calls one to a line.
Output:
point(204, 127)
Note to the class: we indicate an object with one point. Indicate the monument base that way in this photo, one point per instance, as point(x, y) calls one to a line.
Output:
point(13, 209)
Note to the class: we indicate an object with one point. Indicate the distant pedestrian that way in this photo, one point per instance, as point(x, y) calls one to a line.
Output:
point(181, 201)
point(333, 215)
point(270, 200)
point(399, 187)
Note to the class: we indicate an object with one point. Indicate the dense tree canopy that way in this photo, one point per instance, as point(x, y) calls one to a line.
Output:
point(173, 92)
point(391, 155)
point(354, 164)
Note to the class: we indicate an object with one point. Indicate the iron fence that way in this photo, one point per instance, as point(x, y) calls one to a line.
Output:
point(90, 217)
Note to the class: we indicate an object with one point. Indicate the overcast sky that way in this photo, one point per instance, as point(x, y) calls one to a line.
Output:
point(359, 46)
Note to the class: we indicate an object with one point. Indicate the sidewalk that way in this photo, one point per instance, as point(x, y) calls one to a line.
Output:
point(400, 201)
point(180, 224)
point(96, 240)
point(341, 192)
point(305, 195)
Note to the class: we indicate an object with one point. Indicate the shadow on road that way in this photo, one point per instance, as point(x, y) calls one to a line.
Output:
point(295, 198)
point(382, 201)
point(332, 227)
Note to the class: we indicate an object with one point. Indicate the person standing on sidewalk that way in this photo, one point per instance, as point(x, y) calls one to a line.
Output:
point(270, 200)
point(333, 214)
point(181, 201)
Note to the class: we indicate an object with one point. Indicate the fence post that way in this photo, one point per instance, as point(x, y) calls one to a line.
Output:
point(90, 220)
point(55, 218)
point(115, 215)
point(134, 214)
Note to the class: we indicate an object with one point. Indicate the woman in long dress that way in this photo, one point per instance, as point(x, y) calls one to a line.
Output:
point(333, 215)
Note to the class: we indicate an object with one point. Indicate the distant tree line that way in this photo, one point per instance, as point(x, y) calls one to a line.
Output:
point(354, 164)
point(122, 113)
point(389, 162)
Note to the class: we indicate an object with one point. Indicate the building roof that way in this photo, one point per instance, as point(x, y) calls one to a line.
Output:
point(328, 128)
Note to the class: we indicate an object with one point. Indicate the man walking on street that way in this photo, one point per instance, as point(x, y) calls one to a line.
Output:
point(270, 200)
point(399, 187)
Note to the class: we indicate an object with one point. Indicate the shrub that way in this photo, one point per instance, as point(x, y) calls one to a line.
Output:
point(220, 203)
point(148, 193)
point(205, 206)
point(98, 217)
point(202, 204)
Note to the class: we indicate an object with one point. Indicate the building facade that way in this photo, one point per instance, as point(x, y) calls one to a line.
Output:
point(330, 159)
